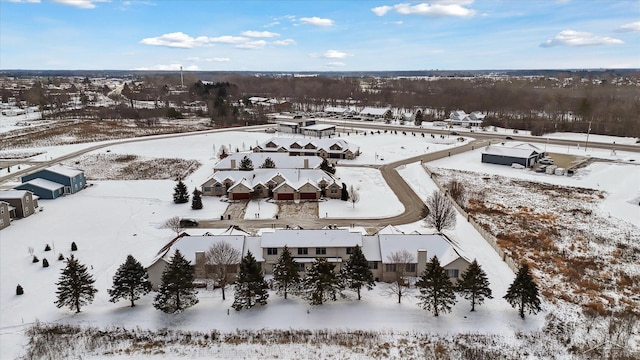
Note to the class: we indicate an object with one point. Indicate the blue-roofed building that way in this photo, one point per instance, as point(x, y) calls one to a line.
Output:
point(45, 189)
point(72, 179)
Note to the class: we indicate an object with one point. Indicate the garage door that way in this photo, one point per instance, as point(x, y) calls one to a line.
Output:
point(240, 196)
point(285, 196)
point(308, 196)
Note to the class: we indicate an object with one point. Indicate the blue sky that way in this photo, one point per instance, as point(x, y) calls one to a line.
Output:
point(320, 35)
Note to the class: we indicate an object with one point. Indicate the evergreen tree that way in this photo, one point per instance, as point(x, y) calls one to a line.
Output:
point(268, 164)
point(356, 273)
point(324, 165)
point(74, 247)
point(285, 274)
point(130, 282)
point(246, 164)
point(523, 292)
point(344, 194)
point(436, 290)
point(45, 262)
point(196, 202)
point(250, 289)
point(19, 290)
point(176, 289)
point(75, 286)
point(321, 283)
point(180, 193)
point(474, 285)
point(35, 259)
point(47, 248)
point(60, 257)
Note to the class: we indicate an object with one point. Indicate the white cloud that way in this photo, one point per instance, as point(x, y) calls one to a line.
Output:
point(260, 34)
point(334, 54)
point(82, 4)
point(634, 26)
point(177, 40)
point(252, 45)
point(170, 67)
point(227, 39)
point(335, 64)
point(436, 8)
point(381, 10)
point(316, 21)
point(578, 38)
point(285, 42)
point(25, 1)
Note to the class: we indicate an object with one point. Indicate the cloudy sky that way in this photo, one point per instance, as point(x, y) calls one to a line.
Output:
point(319, 35)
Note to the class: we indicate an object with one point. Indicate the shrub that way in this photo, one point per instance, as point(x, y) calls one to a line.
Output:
point(35, 259)
point(47, 248)
point(19, 290)
point(74, 247)
point(45, 263)
point(60, 257)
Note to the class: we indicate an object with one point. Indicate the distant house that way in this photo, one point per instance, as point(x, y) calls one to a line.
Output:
point(319, 130)
point(24, 202)
point(460, 118)
point(5, 217)
point(295, 125)
point(325, 148)
point(334, 245)
point(505, 155)
point(281, 161)
point(45, 189)
point(375, 113)
point(72, 179)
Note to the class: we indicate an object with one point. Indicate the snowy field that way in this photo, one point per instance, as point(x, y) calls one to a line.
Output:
point(114, 218)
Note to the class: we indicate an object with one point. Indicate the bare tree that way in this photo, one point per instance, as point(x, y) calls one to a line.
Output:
point(354, 195)
point(222, 257)
point(397, 262)
point(457, 191)
point(173, 224)
point(442, 214)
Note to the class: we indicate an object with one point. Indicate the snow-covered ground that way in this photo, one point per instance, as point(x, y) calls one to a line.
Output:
point(112, 219)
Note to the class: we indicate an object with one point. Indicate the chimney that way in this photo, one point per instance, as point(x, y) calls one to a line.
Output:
point(422, 261)
point(306, 163)
point(233, 164)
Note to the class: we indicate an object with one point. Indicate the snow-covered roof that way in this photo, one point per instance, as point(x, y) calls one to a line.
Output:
point(528, 146)
point(509, 151)
point(374, 111)
point(311, 238)
point(389, 230)
point(65, 170)
point(435, 245)
point(252, 243)
point(282, 160)
point(318, 143)
point(189, 245)
point(371, 248)
point(294, 177)
point(335, 109)
point(13, 194)
point(319, 127)
point(45, 184)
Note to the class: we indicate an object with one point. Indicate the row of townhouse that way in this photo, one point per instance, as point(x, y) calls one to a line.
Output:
point(49, 183)
point(335, 245)
point(325, 148)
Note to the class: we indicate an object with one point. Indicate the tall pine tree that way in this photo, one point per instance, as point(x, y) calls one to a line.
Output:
point(75, 286)
point(250, 289)
point(285, 274)
point(245, 164)
point(436, 290)
point(321, 283)
point(523, 292)
point(130, 282)
point(356, 273)
point(268, 164)
point(176, 289)
point(196, 201)
point(180, 193)
point(474, 285)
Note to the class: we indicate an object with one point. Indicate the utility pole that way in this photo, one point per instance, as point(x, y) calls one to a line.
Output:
point(587, 142)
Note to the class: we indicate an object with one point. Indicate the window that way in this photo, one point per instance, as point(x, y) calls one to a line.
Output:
point(373, 265)
point(334, 190)
point(390, 267)
point(272, 251)
point(303, 251)
point(410, 268)
point(321, 251)
point(300, 267)
point(208, 188)
point(349, 250)
point(452, 273)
